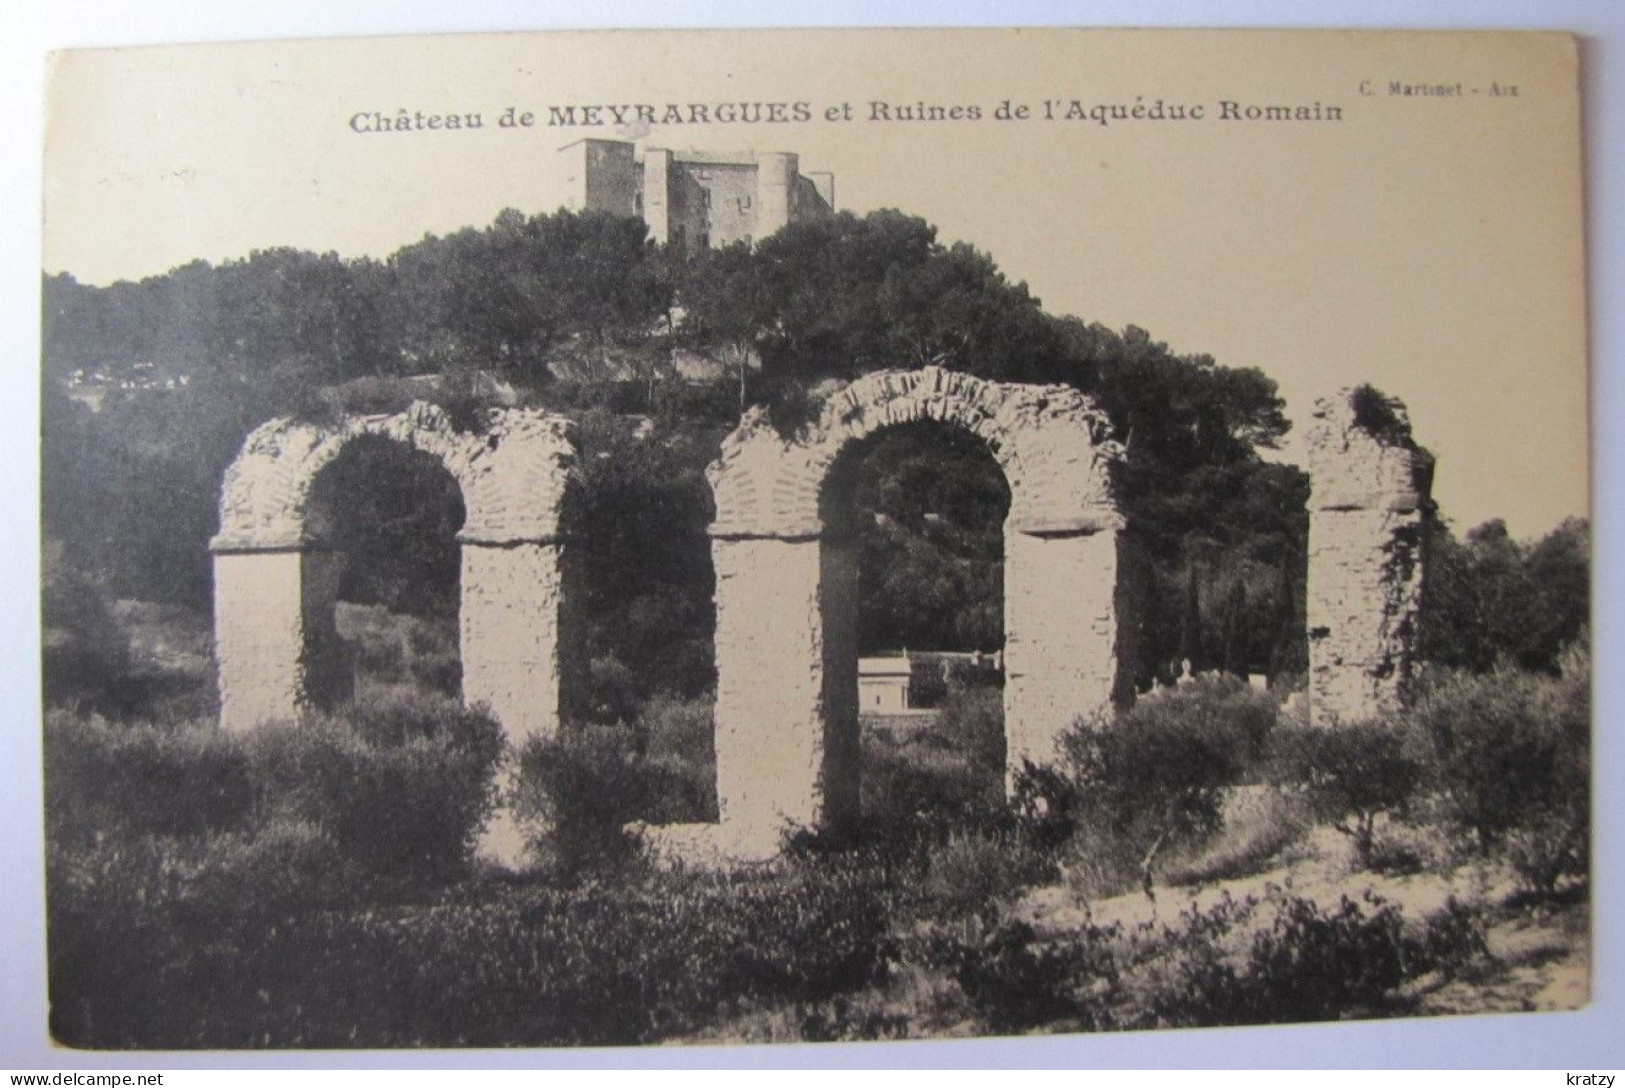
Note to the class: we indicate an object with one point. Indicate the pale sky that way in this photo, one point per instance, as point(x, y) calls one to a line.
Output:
point(1430, 245)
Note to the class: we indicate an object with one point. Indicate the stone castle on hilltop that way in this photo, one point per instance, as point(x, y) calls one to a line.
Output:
point(695, 199)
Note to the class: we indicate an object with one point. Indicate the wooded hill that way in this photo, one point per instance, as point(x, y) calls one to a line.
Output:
point(654, 352)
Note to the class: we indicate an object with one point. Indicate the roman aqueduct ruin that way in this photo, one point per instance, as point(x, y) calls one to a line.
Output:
point(786, 715)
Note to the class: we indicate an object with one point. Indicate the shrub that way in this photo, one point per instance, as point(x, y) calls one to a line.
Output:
point(1156, 775)
point(1018, 980)
point(973, 870)
point(142, 777)
point(403, 785)
point(1510, 757)
point(971, 721)
point(1314, 964)
point(579, 790)
point(1351, 773)
point(280, 867)
point(1260, 822)
point(1308, 963)
point(920, 788)
point(1546, 848)
point(391, 648)
point(1185, 974)
point(680, 747)
point(1452, 940)
point(838, 1021)
point(86, 656)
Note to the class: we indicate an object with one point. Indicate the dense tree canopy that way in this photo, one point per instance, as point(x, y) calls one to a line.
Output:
point(1489, 599)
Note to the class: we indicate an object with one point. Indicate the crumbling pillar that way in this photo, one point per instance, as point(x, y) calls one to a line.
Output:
point(276, 644)
point(1369, 504)
point(1060, 631)
point(511, 615)
point(770, 688)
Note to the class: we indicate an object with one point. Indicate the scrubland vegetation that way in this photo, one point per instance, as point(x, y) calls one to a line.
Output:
point(315, 885)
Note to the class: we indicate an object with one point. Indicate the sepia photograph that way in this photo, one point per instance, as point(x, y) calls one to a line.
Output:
point(733, 537)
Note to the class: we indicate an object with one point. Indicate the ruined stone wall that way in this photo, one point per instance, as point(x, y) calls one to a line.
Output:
point(274, 582)
point(786, 595)
point(1368, 504)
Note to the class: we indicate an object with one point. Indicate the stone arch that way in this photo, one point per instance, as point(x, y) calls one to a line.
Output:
point(786, 720)
point(275, 583)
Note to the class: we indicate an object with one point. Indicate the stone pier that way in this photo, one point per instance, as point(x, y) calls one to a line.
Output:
point(1369, 504)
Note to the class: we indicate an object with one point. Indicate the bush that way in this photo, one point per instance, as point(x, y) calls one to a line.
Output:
point(1157, 774)
point(680, 747)
point(1351, 773)
point(142, 778)
point(1315, 964)
point(1309, 963)
point(579, 790)
point(1260, 823)
point(1510, 757)
point(919, 787)
point(1017, 980)
point(389, 648)
point(971, 721)
point(1546, 848)
point(86, 657)
point(971, 871)
point(1452, 940)
point(402, 785)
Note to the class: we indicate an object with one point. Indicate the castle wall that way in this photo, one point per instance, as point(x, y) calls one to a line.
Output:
point(688, 198)
point(605, 177)
point(716, 202)
point(775, 191)
point(657, 182)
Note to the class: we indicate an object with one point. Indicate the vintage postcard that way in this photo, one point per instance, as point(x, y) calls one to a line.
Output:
point(617, 538)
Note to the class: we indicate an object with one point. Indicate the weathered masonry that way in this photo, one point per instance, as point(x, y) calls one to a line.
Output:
point(1369, 501)
point(786, 714)
point(275, 580)
point(786, 585)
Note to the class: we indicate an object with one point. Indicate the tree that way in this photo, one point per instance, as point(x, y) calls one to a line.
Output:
point(1235, 650)
point(727, 308)
point(1352, 774)
point(512, 296)
point(1158, 773)
point(1490, 598)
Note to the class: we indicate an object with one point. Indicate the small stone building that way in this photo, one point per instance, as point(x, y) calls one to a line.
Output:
point(883, 684)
